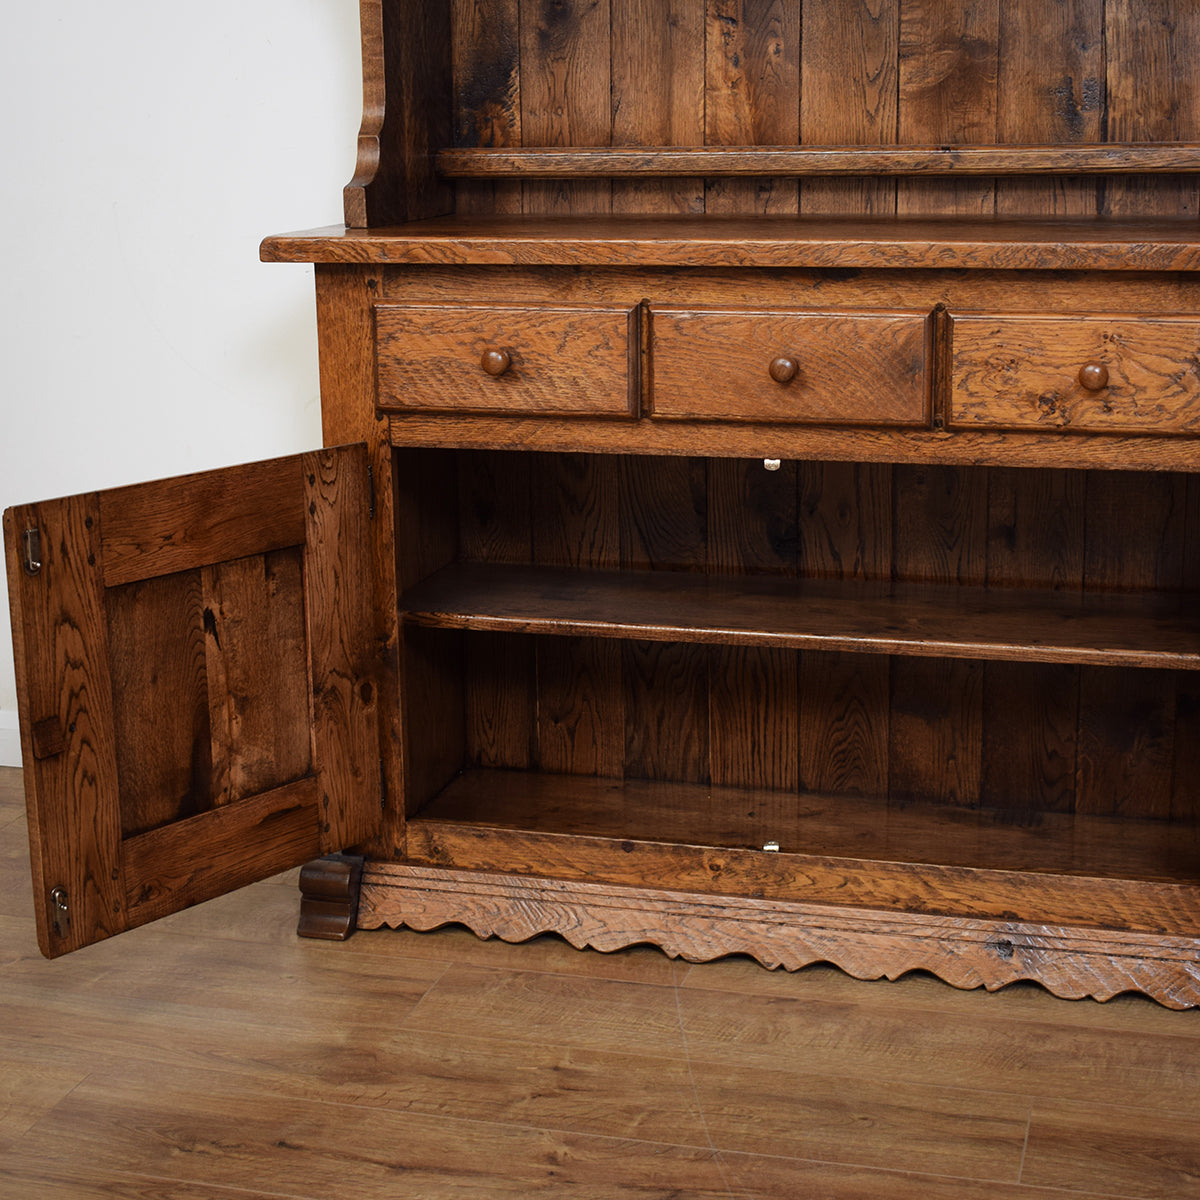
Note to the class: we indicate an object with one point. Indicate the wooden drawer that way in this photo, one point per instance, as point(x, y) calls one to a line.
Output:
point(1123, 374)
point(836, 368)
point(484, 358)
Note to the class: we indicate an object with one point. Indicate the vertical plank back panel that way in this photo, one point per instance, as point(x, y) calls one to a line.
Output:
point(580, 704)
point(752, 95)
point(437, 687)
point(844, 531)
point(754, 696)
point(849, 96)
point(494, 506)
point(1051, 91)
point(1185, 786)
point(565, 94)
point(664, 525)
point(657, 95)
point(940, 527)
point(947, 74)
point(664, 513)
point(494, 490)
point(666, 711)
point(1035, 534)
point(1134, 541)
point(431, 488)
point(487, 94)
point(1151, 55)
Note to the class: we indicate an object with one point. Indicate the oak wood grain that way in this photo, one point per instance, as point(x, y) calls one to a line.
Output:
point(1027, 371)
point(848, 98)
point(829, 159)
point(575, 513)
point(751, 95)
point(948, 66)
point(563, 360)
point(157, 644)
point(348, 415)
point(60, 643)
point(566, 85)
point(1146, 50)
point(1070, 963)
point(242, 843)
point(820, 240)
point(190, 521)
point(487, 94)
point(343, 639)
point(853, 367)
point(256, 665)
point(407, 113)
point(658, 95)
point(916, 619)
point(682, 818)
point(1051, 88)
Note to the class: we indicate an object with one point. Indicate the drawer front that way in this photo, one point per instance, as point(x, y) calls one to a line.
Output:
point(843, 368)
point(1119, 374)
point(485, 358)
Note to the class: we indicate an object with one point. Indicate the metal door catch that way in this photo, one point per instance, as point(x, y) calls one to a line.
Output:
point(59, 913)
point(32, 540)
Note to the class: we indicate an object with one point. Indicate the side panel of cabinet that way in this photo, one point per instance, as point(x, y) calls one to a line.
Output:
point(196, 663)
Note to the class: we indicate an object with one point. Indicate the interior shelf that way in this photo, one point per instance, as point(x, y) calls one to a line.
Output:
point(1053, 867)
point(1143, 629)
point(699, 814)
point(566, 162)
point(692, 240)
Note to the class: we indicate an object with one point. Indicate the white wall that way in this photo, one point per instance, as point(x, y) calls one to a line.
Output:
point(145, 150)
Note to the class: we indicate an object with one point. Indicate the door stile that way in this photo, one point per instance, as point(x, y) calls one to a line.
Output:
point(68, 739)
point(345, 651)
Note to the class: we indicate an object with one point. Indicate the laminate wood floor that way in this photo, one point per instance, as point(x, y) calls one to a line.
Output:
point(217, 1055)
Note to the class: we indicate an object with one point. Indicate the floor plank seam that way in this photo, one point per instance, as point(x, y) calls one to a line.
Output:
point(1025, 1145)
point(229, 1189)
point(1033, 1189)
point(687, 1058)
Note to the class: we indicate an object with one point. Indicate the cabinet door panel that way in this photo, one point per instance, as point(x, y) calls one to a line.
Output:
point(198, 679)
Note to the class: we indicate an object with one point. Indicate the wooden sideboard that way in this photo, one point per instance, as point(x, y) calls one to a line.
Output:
point(758, 512)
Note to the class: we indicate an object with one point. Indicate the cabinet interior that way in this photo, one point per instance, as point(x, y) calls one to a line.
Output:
point(1037, 754)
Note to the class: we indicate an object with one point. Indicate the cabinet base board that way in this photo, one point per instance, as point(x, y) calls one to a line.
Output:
point(1070, 962)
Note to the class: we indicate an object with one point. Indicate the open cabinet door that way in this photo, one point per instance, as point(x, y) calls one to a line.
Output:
point(198, 678)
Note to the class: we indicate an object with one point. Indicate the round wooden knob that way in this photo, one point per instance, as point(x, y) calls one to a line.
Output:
point(1093, 376)
point(784, 368)
point(496, 362)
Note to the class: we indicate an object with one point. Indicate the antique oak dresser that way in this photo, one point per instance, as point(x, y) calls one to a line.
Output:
point(758, 512)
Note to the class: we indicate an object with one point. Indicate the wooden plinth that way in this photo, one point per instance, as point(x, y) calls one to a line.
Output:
point(1070, 962)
